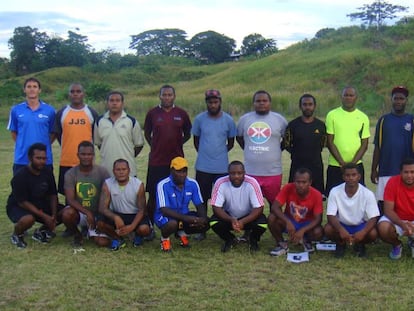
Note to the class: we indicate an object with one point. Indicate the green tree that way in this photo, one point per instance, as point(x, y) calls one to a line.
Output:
point(376, 13)
point(256, 44)
point(211, 47)
point(25, 46)
point(166, 42)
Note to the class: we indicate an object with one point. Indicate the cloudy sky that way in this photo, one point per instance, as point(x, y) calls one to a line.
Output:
point(110, 23)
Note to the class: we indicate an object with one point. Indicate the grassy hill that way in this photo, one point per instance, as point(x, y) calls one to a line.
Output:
point(371, 61)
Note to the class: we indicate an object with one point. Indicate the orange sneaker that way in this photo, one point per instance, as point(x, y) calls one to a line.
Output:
point(184, 242)
point(166, 245)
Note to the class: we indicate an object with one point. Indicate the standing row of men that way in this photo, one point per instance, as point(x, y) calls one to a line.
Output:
point(167, 127)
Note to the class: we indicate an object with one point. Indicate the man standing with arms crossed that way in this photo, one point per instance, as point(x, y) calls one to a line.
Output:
point(347, 131)
point(166, 129)
point(213, 133)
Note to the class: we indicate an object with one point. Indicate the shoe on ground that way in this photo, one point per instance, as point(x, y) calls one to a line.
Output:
point(411, 246)
point(360, 250)
point(244, 238)
point(117, 244)
point(137, 241)
point(340, 250)
point(166, 245)
point(40, 236)
point(308, 247)
point(200, 236)
point(67, 233)
point(396, 252)
point(77, 242)
point(184, 242)
point(150, 236)
point(228, 244)
point(253, 244)
point(18, 241)
point(280, 249)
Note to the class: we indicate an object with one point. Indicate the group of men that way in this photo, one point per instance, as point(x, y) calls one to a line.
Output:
point(108, 203)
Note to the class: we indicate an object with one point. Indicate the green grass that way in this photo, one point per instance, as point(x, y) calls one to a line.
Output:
point(201, 278)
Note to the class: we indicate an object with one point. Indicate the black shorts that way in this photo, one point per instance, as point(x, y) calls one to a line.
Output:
point(154, 175)
point(206, 182)
point(15, 213)
point(127, 219)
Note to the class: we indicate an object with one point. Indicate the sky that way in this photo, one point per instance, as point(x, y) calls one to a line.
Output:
point(110, 23)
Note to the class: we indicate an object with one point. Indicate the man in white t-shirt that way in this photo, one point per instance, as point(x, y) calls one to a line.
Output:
point(352, 213)
point(237, 205)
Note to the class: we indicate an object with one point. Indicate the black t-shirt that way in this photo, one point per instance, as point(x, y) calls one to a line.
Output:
point(305, 141)
point(33, 188)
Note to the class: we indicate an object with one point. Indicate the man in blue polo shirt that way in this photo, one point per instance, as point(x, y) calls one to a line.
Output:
point(31, 122)
point(172, 214)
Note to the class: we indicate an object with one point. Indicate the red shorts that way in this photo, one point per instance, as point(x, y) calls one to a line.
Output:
point(270, 186)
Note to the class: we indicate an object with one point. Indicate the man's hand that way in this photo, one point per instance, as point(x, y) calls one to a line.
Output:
point(237, 225)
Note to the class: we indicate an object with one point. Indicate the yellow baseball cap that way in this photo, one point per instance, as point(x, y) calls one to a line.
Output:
point(178, 163)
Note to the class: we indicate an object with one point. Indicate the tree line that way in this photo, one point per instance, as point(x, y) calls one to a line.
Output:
point(33, 51)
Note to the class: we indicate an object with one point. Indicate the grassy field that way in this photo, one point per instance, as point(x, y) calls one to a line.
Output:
point(201, 278)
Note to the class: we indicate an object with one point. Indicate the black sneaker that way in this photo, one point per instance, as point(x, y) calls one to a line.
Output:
point(40, 237)
point(360, 250)
point(340, 250)
point(18, 241)
point(48, 234)
point(227, 245)
point(253, 245)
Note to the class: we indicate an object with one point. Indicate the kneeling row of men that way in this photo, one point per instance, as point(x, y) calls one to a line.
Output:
point(113, 208)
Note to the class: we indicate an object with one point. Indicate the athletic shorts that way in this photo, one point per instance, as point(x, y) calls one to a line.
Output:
point(382, 182)
point(163, 220)
point(127, 219)
point(354, 229)
point(61, 181)
point(270, 186)
point(16, 212)
point(398, 229)
point(298, 225)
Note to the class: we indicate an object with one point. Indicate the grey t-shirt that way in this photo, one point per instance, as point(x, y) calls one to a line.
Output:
point(262, 137)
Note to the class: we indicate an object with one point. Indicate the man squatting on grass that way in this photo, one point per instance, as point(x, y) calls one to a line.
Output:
point(33, 198)
point(302, 217)
point(352, 213)
point(123, 206)
point(237, 205)
point(398, 219)
point(172, 214)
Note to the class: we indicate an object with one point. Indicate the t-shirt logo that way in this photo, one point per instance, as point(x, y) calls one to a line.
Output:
point(407, 127)
point(259, 132)
point(298, 212)
point(86, 192)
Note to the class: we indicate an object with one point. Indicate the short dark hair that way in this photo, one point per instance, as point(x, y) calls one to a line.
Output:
point(167, 86)
point(406, 161)
point(304, 170)
point(120, 161)
point(85, 143)
point(307, 95)
point(262, 92)
point(350, 166)
point(31, 79)
point(115, 93)
point(235, 162)
point(35, 146)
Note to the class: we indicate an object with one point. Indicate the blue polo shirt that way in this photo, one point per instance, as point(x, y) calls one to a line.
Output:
point(31, 126)
point(169, 195)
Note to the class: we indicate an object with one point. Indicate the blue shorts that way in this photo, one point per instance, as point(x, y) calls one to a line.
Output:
point(163, 220)
point(354, 229)
point(298, 225)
